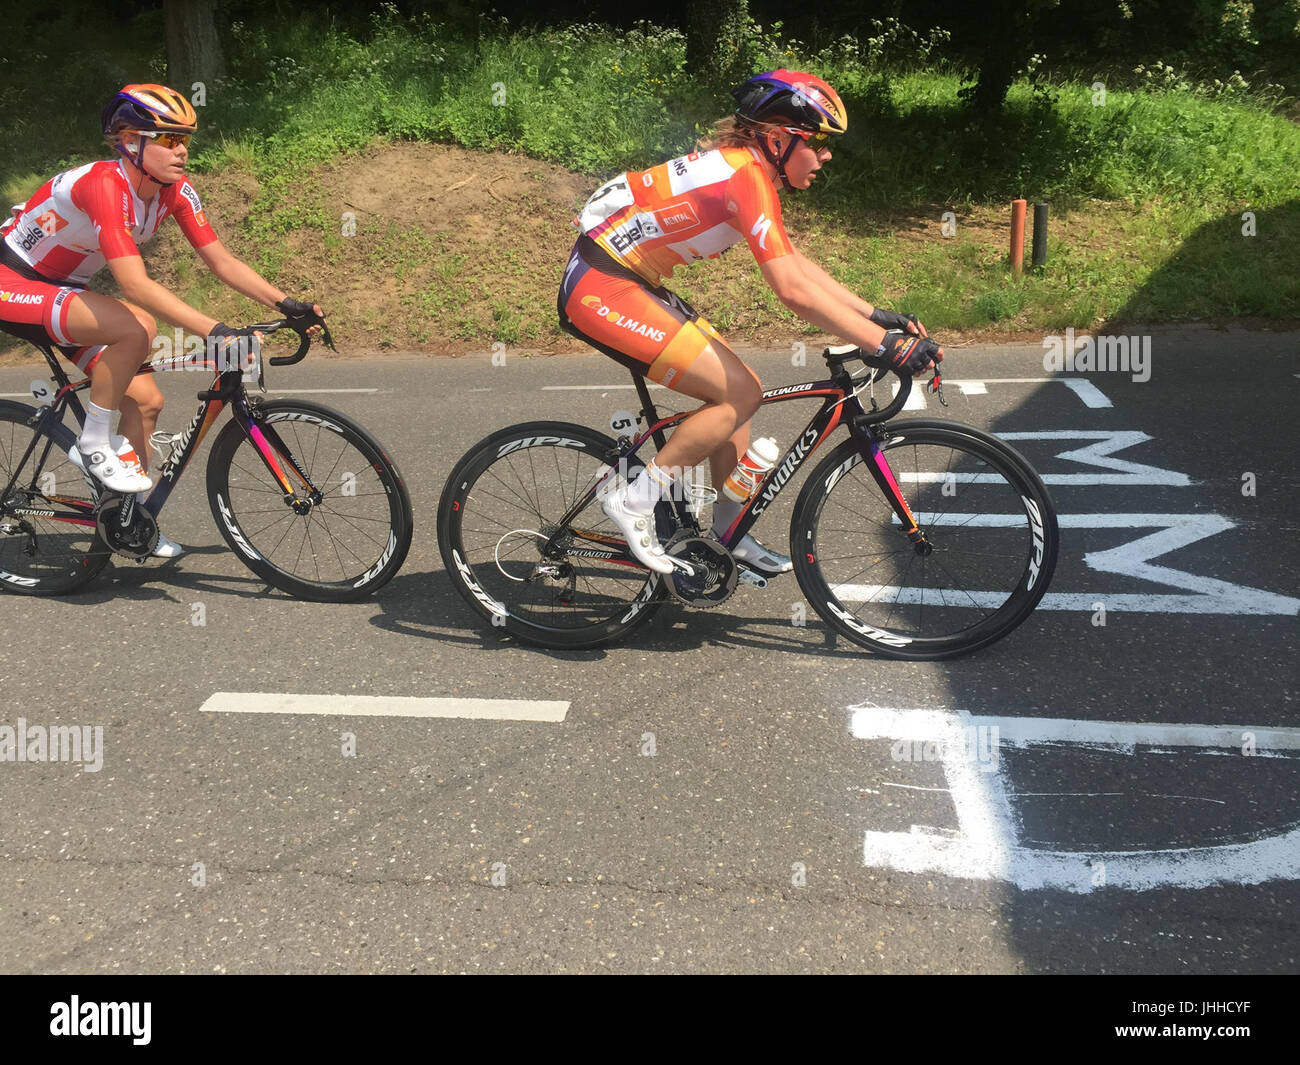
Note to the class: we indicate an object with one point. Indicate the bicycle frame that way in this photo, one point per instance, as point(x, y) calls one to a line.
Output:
point(227, 388)
point(840, 404)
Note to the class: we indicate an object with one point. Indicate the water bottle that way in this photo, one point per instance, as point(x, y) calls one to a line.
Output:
point(751, 469)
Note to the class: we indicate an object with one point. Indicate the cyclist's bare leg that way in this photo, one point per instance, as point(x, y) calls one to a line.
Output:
point(140, 408)
point(731, 395)
point(724, 458)
point(127, 332)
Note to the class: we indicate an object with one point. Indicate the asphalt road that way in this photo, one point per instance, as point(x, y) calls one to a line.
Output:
point(745, 841)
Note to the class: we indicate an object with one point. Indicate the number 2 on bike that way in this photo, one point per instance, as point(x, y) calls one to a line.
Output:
point(306, 498)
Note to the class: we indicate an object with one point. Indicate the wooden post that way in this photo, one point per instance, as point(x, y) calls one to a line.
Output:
point(1017, 236)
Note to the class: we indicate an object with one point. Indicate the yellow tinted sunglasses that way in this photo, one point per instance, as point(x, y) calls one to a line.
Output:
point(815, 141)
point(167, 140)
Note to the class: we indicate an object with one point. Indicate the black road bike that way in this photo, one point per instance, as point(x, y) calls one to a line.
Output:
point(918, 539)
point(306, 498)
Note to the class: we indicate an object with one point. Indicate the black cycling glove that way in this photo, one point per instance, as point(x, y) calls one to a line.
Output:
point(228, 347)
point(299, 313)
point(892, 319)
point(911, 353)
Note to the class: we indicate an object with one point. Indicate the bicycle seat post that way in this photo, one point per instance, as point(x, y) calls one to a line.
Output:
point(648, 409)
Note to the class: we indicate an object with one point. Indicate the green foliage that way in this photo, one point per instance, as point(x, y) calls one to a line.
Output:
point(1193, 151)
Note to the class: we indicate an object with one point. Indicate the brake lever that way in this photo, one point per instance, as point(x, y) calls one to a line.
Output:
point(936, 387)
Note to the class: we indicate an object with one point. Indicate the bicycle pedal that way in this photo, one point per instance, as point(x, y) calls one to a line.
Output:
point(684, 566)
point(750, 577)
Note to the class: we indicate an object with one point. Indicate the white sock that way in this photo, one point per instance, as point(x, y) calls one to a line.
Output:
point(95, 432)
point(653, 484)
point(724, 513)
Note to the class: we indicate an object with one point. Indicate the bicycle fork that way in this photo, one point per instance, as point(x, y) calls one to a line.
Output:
point(271, 448)
point(873, 456)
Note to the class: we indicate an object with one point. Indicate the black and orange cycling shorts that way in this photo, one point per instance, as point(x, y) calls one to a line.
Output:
point(35, 309)
point(649, 330)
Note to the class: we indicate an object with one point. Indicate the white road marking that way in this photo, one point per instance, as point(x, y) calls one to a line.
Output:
point(384, 706)
point(316, 391)
point(589, 388)
point(1101, 455)
point(1091, 395)
point(1131, 559)
point(988, 847)
point(915, 400)
point(15, 395)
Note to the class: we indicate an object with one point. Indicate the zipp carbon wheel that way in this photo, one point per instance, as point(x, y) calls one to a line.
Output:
point(41, 551)
point(987, 518)
point(336, 549)
point(500, 507)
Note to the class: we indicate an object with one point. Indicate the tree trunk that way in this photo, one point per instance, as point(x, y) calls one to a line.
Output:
point(193, 47)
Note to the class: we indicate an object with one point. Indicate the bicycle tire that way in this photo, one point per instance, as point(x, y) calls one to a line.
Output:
point(1007, 537)
point(378, 532)
point(44, 556)
point(492, 565)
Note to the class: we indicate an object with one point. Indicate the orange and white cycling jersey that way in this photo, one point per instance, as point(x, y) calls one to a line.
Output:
point(686, 209)
point(83, 217)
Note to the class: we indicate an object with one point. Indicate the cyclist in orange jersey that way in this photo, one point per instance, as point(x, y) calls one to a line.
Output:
point(637, 228)
point(98, 214)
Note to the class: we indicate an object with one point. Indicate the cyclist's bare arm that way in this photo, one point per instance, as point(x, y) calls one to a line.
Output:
point(138, 287)
point(819, 304)
point(238, 275)
point(821, 278)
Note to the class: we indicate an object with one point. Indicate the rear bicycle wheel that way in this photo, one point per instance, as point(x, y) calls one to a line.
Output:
point(48, 542)
point(987, 518)
point(336, 548)
point(501, 505)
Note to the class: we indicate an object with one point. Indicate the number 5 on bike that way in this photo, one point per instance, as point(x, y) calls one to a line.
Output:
point(917, 539)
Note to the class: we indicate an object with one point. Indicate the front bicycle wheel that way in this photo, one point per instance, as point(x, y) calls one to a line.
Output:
point(990, 543)
point(500, 507)
point(346, 528)
point(48, 542)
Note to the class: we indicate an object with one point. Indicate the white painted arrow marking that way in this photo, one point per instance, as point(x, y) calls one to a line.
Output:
point(1132, 559)
point(1100, 455)
point(987, 845)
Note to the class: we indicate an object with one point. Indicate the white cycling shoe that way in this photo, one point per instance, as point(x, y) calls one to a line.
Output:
point(116, 467)
point(167, 549)
point(754, 554)
point(640, 532)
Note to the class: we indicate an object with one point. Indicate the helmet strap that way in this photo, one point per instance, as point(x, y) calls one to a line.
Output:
point(780, 161)
point(137, 161)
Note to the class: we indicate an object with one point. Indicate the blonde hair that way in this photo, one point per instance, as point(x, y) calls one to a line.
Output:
point(735, 132)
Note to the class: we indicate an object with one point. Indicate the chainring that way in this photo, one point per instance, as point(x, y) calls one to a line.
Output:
point(714, 579)
point(137, 540)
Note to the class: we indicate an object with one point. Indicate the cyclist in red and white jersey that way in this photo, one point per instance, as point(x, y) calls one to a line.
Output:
point(637, 228)
point(99, 214)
